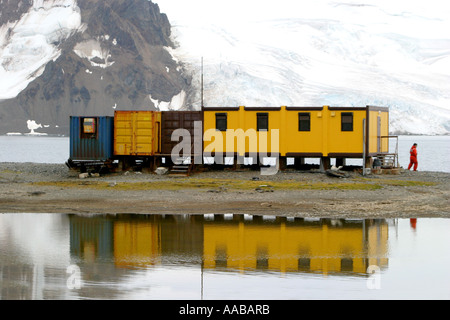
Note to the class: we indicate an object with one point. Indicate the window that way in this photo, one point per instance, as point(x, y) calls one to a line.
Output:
point(262, 120)
point(304, 264)
point(262, 258)
point(221, 121)
point(346, 264)
point(221, 258)
point(304, 121)
point(88, 128)
point(347, 121)
point(89, 125)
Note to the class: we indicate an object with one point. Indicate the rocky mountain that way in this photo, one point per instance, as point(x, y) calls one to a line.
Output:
point(65, 57)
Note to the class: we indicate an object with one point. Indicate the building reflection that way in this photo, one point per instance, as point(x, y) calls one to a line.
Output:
point(107, 248)
point(231, 243)
point(325, 246)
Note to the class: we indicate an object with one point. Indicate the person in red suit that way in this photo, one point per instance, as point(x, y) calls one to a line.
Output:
point(413, 157)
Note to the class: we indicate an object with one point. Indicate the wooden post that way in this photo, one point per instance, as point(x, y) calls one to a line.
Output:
point(283, 163)
point(324, 163)
point(364, 147)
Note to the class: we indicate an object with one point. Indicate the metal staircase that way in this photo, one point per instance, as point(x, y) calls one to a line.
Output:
point(181, 168)
point(388, 160)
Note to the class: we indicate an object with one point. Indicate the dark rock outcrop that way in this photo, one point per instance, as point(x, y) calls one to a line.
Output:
point(135, 67)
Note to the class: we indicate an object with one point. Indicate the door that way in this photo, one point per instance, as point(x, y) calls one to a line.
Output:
point(379, 135)
point(134, 133)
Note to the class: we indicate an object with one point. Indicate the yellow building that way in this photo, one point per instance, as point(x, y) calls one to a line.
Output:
point(325, 132)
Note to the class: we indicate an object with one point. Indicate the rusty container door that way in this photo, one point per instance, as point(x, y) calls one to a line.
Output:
point(135, 133)
point(172, 120)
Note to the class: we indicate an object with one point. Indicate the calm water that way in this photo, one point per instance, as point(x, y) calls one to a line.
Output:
point(434, 151)
point(221, 257)
point(35, 149)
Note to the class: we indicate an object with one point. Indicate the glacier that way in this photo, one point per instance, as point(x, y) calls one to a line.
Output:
point(303, 53)
point(27, 45)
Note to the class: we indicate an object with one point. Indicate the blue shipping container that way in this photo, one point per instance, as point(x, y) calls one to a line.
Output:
point(91, 138)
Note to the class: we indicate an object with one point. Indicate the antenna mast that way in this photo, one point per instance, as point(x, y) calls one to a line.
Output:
point(202, 85)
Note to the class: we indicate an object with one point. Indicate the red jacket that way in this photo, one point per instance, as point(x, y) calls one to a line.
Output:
point(413, 152)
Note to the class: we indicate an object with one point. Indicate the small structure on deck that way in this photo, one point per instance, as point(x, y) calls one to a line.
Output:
point(387, 162)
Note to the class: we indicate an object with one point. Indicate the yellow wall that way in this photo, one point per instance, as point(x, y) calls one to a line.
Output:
point(136, 132)
point(345, 141)
point(241, 125)
point(374, 140)
point(325, 138)
point(303, 141)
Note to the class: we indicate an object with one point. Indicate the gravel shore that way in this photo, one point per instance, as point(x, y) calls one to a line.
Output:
point(53, 188)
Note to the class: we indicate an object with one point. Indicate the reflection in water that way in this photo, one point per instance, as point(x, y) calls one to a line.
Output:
point(238, 243)
point(413, 223)
point(218, 256)
point(324, 246)
point(33, 254)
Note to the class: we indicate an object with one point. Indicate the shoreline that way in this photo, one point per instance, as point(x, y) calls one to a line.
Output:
point(53, 188)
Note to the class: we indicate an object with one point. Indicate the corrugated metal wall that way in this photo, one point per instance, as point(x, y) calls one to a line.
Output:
point(136, 133)
point(91, 146)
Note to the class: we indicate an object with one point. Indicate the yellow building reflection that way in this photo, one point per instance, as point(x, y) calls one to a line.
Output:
point(296, 246)
point(136, 243)
point(239, 243)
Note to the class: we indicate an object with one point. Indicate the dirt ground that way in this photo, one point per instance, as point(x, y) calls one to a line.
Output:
point(53, 188)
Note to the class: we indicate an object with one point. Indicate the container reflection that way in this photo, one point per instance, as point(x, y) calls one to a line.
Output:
point(231, 243)
point(69, 257)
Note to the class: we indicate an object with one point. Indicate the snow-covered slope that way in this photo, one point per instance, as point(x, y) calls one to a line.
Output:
point(347, 53)
point(28, 44)
point(62, 58)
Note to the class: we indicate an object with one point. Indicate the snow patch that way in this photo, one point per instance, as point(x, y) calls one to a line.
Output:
point(32, 125)
point(93, 51)
point(176, 103)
